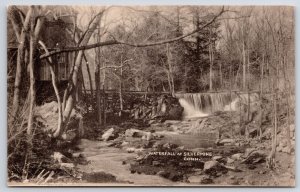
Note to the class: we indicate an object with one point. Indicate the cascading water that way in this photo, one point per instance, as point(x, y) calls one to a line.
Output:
point(203, 104)
point(189, 110)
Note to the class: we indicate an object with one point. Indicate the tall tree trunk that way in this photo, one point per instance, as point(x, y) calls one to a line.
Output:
point(98, 88)
point(244, 65)
point(248, 85)
point(32, 86)
point(185, 78)
point(89, 75)
point(103, 95)
point(269, 77)
point(20, 63)
point(170, 71)
point(261, 95)
point(120, 91)
point(169, 80)
point(236, 85)
point(98, 79)
point(287, 95)
point(211, 59)
point(230, 105)
point(104, 106)
point(272, 155)
point(82, 82)
point(97, 82)
point(34, 35)
point(221, 76)
point(18, 78)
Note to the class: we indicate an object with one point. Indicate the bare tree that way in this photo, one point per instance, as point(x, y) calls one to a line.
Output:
point(21, 26)
point(72, 86)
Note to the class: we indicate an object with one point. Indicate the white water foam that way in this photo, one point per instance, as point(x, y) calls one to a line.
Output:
point(202, 105)
point(190, 111)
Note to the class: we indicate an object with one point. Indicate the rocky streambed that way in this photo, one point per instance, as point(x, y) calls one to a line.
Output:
point(201, 151)
point(162, 155)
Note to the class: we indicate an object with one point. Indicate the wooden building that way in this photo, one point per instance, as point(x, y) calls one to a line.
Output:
point(62, 67)
point(55, 35)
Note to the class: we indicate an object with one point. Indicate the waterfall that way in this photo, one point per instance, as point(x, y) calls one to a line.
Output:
point(203, 104)
point(189, 110)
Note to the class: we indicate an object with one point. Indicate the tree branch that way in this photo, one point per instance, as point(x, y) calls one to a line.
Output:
point(115, 41)
point(88, 27)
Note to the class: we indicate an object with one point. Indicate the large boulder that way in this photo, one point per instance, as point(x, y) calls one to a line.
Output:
point(175, 112)
point(46, 116)
point(213, 168)
point(169, 108)
point(109, 134)
point(139, 134)
point(211, 165)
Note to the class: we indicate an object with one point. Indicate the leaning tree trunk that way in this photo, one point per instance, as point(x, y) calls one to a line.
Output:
point(71, 96)
point(54, 84)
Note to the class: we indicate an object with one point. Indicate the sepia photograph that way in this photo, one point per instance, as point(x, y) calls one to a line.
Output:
point(179, 95)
